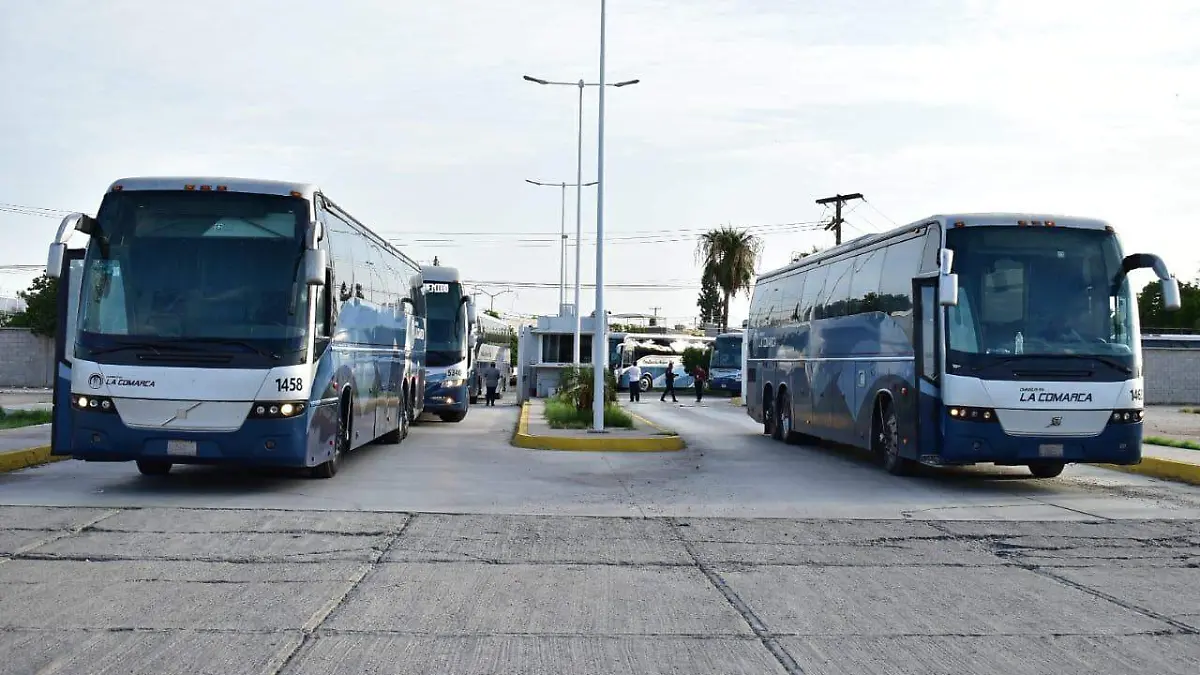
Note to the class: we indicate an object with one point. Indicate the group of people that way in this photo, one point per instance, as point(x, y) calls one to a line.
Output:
point(699, 374)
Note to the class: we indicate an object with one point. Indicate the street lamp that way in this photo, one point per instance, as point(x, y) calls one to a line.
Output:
point(492, 296)
point(562, 226)
point(579, 179)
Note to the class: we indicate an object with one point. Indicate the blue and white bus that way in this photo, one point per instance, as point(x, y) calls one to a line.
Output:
point(725, 364)
point(231, 321)
point(449, 352)
point(653, 352)
point(959, 339)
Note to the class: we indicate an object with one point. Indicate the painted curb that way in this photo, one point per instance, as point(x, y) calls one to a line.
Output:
point(1166, 469)
point(523, 439)
point(12, 460)
point(737, 401)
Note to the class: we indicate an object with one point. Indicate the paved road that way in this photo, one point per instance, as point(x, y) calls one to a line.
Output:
point(454, 553)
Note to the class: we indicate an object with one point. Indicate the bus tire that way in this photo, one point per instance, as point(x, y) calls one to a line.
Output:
point(647, 383)
point(153, 467)
point(341, 443)
point(885, 438)
point(453, 417)
point(1047, 469)
point(401, 432)
point(786, 426)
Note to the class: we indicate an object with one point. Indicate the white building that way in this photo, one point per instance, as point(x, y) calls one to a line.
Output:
point(546, 348)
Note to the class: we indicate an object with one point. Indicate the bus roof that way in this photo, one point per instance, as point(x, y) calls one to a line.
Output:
point(251, 185)
point(440, 273)
point(998, 219)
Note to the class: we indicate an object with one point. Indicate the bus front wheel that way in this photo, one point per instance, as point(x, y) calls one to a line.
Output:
point(1047, 469)
point(886, 437)
point(341, 445)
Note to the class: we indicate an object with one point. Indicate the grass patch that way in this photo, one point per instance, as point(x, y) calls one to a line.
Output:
point(563, 415)
point(14, 419)
point(1194, 411)
point(1171, 442)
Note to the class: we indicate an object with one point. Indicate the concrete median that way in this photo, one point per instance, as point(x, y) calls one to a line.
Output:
point(535, 433)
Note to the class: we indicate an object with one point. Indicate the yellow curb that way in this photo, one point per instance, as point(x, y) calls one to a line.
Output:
point(1166, 469)
point(737, 400)
point(11, 460)
point(523, 439)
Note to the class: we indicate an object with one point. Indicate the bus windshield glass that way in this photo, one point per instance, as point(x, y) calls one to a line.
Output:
point(1039, 292)
point(175, 267)
point(727, 352)
point(446, 323)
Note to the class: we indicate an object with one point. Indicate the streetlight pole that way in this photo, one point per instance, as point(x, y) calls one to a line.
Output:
point(562, 262)
point(492, 296)
point(579, 184)
point(600, 331)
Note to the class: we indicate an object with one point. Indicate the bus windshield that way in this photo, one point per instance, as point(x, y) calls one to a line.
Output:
point(446, 323)
point(727, 352)
point(168, 267)
point(1039, 292)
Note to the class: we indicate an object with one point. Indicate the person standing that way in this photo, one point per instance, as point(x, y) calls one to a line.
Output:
point(491, 380)
point(701, 376)
point(670, 375)
point(635, 382)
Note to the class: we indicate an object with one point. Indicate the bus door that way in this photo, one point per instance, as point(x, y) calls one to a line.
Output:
point(927, 324)
point(69, 282)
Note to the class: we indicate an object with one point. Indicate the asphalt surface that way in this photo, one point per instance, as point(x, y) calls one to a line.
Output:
point(455, 553)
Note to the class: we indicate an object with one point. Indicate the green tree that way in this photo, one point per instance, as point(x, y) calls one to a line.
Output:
point(492, 313)
point(709, 301)
point(694, 356)
point(41, 307)
point(728, 256)
point(1152, 315)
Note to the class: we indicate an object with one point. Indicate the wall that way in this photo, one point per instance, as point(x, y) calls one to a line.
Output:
point(1172, 376)
point(26, 360)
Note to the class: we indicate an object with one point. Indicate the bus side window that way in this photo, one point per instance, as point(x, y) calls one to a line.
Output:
point(323, 308)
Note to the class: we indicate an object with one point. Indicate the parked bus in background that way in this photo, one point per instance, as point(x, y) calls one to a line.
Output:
point(1003, 338)
point(492, 340)
point(653, 352)
point(231, 321)
point(449, 349)
point(725, 364)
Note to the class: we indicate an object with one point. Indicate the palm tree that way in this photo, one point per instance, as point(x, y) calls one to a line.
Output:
point(728, 256)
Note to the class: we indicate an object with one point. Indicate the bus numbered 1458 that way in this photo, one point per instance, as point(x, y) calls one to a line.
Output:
point(959, 339)
point(231, 321)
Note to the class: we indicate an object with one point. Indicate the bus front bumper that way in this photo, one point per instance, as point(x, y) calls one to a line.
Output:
point(972, 442)
point(101, 437)
point(439, 399)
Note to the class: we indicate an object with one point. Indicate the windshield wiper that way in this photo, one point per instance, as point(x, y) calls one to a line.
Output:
point(1106, 360)
point(155, 347)
point(240, 343)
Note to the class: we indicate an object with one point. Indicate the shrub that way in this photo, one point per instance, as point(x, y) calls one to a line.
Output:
point(562, 414)
point(576, 384)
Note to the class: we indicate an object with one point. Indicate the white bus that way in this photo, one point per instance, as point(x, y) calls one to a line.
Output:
point(231, 321)
point(1003, 338)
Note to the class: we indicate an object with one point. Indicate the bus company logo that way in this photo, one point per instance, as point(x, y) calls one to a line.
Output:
point(118, 381)
point(95, 380)
point(1040, 395)
point(1054, 422)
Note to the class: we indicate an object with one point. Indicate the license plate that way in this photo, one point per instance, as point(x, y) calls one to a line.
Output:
point(1050, 450)
point(183, 448)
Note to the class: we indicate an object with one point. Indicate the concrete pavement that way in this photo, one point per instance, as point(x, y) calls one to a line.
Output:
point(220, 591)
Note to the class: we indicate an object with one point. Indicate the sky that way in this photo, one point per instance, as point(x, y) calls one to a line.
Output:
point(416, 119)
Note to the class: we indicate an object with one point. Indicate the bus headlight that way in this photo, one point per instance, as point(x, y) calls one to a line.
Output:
point(276, 409)
point(99, 404)
point(453, 384)
point(967, 414)
point(1127, 416)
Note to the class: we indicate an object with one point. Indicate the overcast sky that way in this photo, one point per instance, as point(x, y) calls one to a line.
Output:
point(415, 118)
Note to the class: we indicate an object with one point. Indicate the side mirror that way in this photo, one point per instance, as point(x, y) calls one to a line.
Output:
point(87, 225)
point(315, 262)
point(948, 290)
point(1170, 293)
point(54, 262)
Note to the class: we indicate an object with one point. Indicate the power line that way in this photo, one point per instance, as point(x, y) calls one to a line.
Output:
point(837, 201)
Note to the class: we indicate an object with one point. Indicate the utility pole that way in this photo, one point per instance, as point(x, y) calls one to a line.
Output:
point(837, 201)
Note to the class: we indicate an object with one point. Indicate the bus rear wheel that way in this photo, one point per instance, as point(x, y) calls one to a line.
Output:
point(768, 415)
point(647, 383)
point(153, 467)
point(1047, 469)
